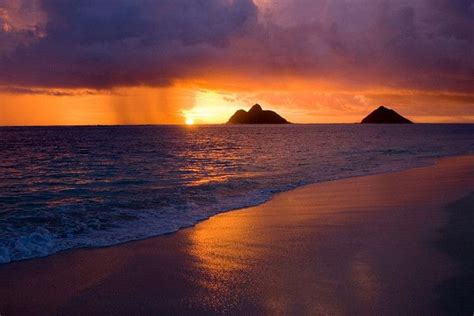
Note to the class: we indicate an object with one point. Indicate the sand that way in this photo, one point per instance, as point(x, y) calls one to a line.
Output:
point(368, 245)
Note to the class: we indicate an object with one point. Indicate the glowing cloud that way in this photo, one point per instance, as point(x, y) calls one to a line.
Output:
point(319, 60)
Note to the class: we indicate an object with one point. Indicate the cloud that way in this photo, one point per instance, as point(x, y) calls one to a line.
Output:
point(421, 44)
point(15, 90)
point(108, 43)
point(425, 44)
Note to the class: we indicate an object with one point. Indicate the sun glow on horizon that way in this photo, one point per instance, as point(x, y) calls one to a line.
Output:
point(190, 105)
point(211, 108)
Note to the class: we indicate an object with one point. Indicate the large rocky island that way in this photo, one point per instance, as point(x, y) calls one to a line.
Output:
point(256, 115)
point(383, 115)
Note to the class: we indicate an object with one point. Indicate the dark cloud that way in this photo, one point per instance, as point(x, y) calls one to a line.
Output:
point(104, 43)
point(414, 44)
point(426, 44)
point(15, 90)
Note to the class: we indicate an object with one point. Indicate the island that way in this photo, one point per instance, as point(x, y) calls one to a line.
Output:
point(256, 115)
point(383, 115)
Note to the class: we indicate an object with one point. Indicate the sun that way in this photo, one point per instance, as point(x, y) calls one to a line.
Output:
point(189, 121)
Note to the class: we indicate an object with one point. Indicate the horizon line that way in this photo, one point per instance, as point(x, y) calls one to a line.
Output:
point(222, 124)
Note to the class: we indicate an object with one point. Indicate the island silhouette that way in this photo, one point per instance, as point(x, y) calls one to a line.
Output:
point(383, 115)
point(256, 115)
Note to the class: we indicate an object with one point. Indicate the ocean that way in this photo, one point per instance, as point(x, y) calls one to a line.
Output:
point(72, 187)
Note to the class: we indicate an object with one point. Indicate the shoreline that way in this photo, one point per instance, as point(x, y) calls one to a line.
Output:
point(420, 163)
point(232, 247)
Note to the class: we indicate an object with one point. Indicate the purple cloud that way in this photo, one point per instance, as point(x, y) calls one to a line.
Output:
point(426, 44)
point(103, 43)
point(423, 44)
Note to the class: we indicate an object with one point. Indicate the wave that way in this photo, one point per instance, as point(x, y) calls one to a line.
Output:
point(98, 203)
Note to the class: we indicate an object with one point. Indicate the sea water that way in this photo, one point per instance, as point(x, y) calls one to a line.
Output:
point(69, 187)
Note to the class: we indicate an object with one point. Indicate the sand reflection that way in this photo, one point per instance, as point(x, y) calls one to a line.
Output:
point(257, 258)
point(226, 258)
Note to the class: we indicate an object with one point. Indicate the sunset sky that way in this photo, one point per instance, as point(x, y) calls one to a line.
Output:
point(166, 61)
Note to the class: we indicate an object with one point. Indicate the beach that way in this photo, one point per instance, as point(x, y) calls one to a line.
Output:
point(375, 244)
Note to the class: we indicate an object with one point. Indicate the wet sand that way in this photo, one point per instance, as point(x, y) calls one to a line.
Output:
point(366, 245)
point(457, 240)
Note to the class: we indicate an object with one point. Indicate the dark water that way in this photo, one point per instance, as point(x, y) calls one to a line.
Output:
point(69, 187)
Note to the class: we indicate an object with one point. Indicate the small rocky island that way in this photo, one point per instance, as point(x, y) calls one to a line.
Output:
point(256, 115)
point(383, 115)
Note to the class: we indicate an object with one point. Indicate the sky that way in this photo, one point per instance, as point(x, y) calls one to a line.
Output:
point(170, 61)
